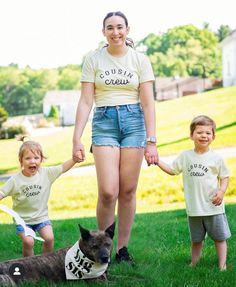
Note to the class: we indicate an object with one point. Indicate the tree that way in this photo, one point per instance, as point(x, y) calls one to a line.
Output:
point(3, 116)
point(223, 32)
point(54, 112)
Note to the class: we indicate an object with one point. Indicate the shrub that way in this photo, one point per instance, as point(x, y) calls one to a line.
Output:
point(3, 115)
point(12, 131)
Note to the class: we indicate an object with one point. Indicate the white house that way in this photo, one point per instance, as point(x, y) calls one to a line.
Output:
point(228, 46)
point(65, 101)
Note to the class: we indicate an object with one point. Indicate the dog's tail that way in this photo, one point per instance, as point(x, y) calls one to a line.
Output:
point(6, 280)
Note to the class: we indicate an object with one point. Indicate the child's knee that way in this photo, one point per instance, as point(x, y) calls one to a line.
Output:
point(28, 242)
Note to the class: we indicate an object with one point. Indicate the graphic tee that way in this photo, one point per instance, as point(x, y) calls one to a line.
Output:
point(201, 174)
point(78, 266)
point(30, 194)
point(116, 79)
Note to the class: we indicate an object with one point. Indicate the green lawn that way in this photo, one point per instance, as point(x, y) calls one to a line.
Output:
point(160, 245)
point(173, 119)
point(160, 239)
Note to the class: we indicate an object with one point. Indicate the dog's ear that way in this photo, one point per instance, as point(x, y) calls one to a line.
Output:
point(85, 234)
point(111, 230)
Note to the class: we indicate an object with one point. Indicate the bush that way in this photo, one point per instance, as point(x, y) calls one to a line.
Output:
point(54, 112)
point(3, 115)
point(11, 132)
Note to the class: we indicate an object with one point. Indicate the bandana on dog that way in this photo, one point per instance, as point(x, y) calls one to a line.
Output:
point(78, 266)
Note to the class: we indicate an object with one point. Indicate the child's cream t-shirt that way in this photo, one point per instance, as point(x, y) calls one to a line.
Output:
point(201, 174)
point(116, 79)
point(30, 194)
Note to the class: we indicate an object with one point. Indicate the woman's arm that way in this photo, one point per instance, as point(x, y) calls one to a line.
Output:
point(83, 110)
point(148, 106)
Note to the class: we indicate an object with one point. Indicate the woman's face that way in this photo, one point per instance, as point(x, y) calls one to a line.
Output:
point(115, 31)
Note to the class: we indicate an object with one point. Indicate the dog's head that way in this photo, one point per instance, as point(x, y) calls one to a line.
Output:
point(97, 245)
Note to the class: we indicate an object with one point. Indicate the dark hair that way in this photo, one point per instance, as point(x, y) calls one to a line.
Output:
point(202, 120)
point(129, 41)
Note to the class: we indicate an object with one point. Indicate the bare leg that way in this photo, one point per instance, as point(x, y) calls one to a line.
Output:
point(47, 234)
point(196, 252)
point(107, 161)
point(28, 245)
point(221, 249)
point(130, 164)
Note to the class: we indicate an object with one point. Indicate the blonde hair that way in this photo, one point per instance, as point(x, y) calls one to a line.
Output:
point(202, 120)
point(33, 146)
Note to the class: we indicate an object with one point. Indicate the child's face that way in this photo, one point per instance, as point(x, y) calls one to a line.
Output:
point(30, 162)
point(202, 136)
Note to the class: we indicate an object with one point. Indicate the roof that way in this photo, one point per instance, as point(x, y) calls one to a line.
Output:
point(59, 97)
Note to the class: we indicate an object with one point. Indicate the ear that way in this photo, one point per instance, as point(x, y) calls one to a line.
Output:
point(103, 32)
point(111, 230)
point(85, 234)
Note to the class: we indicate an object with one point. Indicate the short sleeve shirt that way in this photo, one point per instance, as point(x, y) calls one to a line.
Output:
point(116, 79)
point(30, 194)
point(201, 174)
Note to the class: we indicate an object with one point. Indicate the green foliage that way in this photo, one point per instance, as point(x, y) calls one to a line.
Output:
point(223, 32)
point(54, 113)
point(11, 132)
point(3, 116)
point(69, 78)
point(184, 50)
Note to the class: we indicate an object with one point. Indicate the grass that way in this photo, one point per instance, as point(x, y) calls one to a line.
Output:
point(160, 239)
point(173, 119)
point(160, 245)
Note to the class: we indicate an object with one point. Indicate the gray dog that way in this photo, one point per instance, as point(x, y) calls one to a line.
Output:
point(88, 258)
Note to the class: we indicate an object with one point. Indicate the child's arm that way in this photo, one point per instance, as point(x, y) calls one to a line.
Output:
point(163, 166)
point(218, 197)
point(68, 165)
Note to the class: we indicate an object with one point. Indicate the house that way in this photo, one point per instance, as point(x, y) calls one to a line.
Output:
point(167, 88)
point(228, 46)
point(65, 101)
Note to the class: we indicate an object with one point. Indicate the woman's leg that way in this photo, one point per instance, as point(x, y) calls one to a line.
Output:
point(47, 234)
point(130, 165)
point(107, 162)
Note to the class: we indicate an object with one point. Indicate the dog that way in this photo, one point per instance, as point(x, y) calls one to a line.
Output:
point(88, 258)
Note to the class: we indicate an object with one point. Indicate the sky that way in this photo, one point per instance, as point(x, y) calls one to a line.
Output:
point(53, 33)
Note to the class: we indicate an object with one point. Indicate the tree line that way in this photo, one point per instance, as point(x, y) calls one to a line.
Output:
point(181, 51)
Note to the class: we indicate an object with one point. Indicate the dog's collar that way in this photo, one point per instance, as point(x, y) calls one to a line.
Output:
point(78, 266)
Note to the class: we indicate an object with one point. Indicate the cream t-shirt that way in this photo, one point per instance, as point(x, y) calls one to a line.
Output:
point(116, 79)
point(201, 174)
point(30, 194)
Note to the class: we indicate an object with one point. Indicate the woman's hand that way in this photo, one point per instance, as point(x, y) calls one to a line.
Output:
point(78, 152)
point(151, 154)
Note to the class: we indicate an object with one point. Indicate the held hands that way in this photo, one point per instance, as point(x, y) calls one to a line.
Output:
point(218, 197)
point(151, 155)
point(78, 152)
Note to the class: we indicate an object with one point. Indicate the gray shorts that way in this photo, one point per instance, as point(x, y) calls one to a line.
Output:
point(216, 226)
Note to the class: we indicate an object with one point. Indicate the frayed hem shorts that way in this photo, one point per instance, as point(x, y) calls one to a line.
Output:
point(119, 126)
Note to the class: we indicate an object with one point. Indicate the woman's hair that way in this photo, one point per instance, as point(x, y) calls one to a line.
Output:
point(129, 41)
point(33, 146)
point(202, 120)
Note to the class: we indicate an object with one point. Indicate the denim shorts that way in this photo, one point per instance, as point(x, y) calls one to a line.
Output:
point(119, 126)
point(35, 227)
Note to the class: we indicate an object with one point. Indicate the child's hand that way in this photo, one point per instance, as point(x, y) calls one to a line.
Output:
point(151, 155)
point(218, 197)
point(78, 153)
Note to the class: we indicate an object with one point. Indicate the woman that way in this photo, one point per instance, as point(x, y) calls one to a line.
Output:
point(120, 80)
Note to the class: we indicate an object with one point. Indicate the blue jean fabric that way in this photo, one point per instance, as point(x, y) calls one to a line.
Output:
point(119, 126)
point(35, 227)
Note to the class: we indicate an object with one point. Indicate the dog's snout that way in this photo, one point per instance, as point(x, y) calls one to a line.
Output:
point(104, 256)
